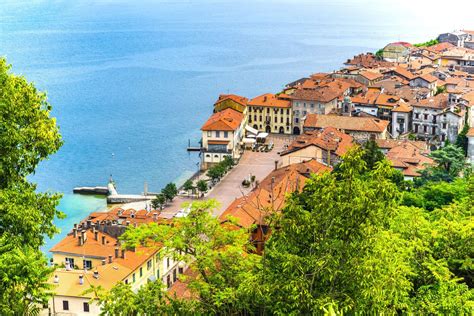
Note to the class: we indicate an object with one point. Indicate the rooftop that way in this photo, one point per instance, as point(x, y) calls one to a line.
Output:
point(226, 120)
point(349, 123)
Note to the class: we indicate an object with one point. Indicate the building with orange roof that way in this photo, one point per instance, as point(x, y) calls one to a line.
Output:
point(221, 136)
point(87, 256)
point(360, 128)
point(230, 101)
point(401, 119)
point(326, 146)
point(409, 159)
point(251, 211)
point(369, 78)
point(425, 81)
point(270, 113)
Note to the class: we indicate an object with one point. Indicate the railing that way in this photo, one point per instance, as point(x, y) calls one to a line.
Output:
point(216, 150)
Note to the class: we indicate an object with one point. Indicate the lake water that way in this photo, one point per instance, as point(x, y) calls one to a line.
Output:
point(131, 81)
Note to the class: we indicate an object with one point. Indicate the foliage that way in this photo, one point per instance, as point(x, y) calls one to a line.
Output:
point(188, 185)
point(427, 43)
point(440, 89)
point(449, 163)
point(169, 191)
point(345, 243)
point(219, 170)
point(372, 154)
point(28, 135)
point(461, 140)
point(202, 186)
point(215, 253)
point(379, 53)
point(158, 202)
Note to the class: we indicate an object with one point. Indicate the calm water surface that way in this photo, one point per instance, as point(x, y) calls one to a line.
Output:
point(132, 81)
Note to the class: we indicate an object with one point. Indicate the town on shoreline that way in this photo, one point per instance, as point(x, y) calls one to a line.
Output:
point(408, 99)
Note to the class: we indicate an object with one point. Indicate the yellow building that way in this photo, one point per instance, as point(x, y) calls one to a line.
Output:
point(270, 113)
point(231, 101)
point(397, 52)
point(89, 257)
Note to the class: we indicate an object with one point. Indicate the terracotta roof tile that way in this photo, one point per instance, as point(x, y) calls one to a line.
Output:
point(269, 100)
point(361, 124)
point(226, 120)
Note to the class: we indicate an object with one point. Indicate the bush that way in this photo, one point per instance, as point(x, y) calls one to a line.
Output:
point(246, 183)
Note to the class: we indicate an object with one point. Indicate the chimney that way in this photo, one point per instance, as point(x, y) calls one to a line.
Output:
point(104, 262)
point(74, 232)
point(81, 279)
point(110, 258)
point(96, 235)
point(84, 235)
point(116, 252)
point(123, 254)
point(89, 222)
point(128, 223)
point(75, 226)
point(81, 242)
point(93, 228)
point(103, 240)
point(56, 279)
point(96, 274)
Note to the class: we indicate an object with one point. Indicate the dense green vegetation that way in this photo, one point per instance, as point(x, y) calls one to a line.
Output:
point(354, 241)
point(426, 44)
point(28, 135)
point(219, 170)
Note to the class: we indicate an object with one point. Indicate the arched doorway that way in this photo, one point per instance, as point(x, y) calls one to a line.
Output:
point(255, 126)
point(282, 130)
point(296, 130)
point(268, 129)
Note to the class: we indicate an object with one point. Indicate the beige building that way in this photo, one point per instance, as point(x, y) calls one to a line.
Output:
point(221, 136)
point(270, 113)
point(88, 257)
point(397, 52)
point(360, 128)
point(326, 146)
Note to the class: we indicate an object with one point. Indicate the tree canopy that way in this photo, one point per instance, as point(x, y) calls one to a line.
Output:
point(28, 135)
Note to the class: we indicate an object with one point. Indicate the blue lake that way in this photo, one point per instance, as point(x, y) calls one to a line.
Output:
point(132, 81)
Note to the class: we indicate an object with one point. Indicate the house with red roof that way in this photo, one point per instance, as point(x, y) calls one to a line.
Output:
point(221, 136)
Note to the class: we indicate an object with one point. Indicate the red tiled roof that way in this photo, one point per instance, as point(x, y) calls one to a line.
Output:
point(470, 133)
point(349, 123)
point(269, 100)
point(226, 120)
point(237, 98)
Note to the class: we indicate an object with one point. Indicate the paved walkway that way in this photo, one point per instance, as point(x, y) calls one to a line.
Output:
point(259, 164)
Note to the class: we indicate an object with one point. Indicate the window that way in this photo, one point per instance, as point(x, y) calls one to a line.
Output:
point(180, 270)
point(275, 119)
point(288, 111)
point(126, 281)
point(434, 130)
point(297, 120)
point(226, 134)
point(209, 134)
point(158, 273)
point(70, 261)
point(148, 265)
point(444, 125)
point(281, 111)
point(312, 105)
point(87, 264)
point(133, 278)
point(304, 104)
point(255, 117)
point(426, 116)
point(304, 112)
point(417, 115)
point(218, 134)
point(86, 306)
point(174, 275)
point(268, 110)
point(65, 305)
point(167, 262)
point(260, 117)
point(281, 119)
point(425, 128)
point(141, 271)
point(168, 281)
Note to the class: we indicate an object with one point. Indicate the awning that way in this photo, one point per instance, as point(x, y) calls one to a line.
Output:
point(262, 135)
point(251, 130)
point(248, 140)
point(217, 142)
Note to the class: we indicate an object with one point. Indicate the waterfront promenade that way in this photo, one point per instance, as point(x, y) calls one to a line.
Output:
point(259, 164)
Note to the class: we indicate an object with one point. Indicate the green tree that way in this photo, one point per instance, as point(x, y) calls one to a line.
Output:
point(344, 244)
point(188, 185)
point(449, 162)
point(216, 254)
point(461, 140)
point(372, 154)
point(440, 89)
point(170, 191)
point(158, 202)
point(216, 172)
point(28, 135)
point(202, 186)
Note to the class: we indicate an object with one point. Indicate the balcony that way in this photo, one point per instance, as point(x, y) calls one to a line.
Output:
point(216, 150)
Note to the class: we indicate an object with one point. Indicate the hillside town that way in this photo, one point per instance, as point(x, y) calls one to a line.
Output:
point(408, 99)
